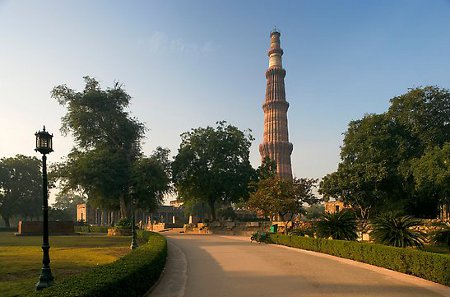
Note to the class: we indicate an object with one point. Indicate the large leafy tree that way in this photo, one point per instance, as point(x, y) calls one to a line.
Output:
point(106, 160)
point(150, 178)
point(285, 198)
point(379, 155)
point(424, 113)
point(432, 174)
point(212, 165)
point(20, 187)
point(368, 176)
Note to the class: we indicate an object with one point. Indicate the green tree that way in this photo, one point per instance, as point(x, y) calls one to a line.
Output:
point(432, 174)
point(107, 158)
point(20, 187)
point(150, 177)
point(283, 197)
point(376, 171)
point(340, 225)
point(367, 177)
point(397, 230)
point(213, 165)
point(315, 211)
point(423, 112)
point(67, 203)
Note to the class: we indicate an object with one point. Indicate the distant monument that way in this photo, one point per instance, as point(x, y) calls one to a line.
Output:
point(276, 143)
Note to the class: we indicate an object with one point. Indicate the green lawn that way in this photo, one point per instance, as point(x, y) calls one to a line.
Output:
point(21, 258)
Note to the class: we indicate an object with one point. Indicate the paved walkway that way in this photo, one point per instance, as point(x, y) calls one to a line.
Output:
point(228, 266)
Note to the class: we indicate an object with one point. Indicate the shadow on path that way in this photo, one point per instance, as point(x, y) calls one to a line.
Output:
point(205, 266)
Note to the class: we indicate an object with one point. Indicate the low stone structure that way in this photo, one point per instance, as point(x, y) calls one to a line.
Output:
point(54, 228)
point(228, 228)
point(119, 232)
point(335, 206)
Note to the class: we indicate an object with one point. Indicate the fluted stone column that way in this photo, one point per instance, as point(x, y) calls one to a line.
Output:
point(276, 143)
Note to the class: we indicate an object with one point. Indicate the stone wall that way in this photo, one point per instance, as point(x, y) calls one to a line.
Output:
point(228, 228)
point(54, 228)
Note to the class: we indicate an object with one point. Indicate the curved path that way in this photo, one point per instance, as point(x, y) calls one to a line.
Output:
point(211, 265)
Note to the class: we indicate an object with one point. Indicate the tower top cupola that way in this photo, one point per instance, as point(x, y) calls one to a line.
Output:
point(275, 52)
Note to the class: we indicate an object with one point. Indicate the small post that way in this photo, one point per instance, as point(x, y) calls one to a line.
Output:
point(134, 244)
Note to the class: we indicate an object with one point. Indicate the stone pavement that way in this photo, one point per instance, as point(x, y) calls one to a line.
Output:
point(210, 265)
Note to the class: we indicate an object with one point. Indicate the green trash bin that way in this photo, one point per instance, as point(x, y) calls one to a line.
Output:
point(274, 228)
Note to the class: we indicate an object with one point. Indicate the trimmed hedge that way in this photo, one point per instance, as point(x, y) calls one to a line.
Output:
point(91, 229)
point(430, 266)
point(132, 275)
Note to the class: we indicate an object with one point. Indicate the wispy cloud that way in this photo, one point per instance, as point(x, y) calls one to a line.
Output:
point(159, 42)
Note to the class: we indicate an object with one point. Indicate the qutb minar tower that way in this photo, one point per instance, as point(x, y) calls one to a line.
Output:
point(276, 143)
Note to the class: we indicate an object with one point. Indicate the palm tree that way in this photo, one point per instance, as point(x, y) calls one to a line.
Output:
point(396, 230)
point(340, 225)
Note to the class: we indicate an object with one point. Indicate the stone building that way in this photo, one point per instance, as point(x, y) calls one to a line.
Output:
point(96, 216)
point(335, 206)
point(276, 143)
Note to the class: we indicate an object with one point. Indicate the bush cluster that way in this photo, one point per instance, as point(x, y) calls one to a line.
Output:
point(131, 275)
point(124, 223)
point(91, 229)
point(430, 266)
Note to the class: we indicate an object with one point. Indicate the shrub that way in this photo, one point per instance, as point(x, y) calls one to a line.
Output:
point(430, 266)
point(396, 230)
point(131, 275)
point(306, 228)
point(340, 225)
point(124, 223)
point(80, 223)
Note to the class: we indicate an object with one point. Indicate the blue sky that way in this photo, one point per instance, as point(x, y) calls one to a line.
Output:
point(191, 63)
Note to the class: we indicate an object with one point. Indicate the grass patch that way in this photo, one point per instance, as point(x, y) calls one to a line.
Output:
point(21, 258)
point(129, 276)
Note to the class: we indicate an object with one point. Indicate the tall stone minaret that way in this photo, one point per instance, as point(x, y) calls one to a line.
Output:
point(276, 143)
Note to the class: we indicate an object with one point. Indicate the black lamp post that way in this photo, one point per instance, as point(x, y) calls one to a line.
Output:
point(134, 243)
point(44, 145)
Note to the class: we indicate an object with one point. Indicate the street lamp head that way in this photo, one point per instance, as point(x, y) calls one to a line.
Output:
point(44, 143)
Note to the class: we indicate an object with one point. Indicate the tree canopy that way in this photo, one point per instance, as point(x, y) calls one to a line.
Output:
point(285, 198)
point(106, 159)
point(383, 156)
point(273, 195)
point(20, 187)
point(66, 205)
point(212, 165)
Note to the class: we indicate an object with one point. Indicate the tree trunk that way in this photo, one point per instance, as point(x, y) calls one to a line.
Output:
point(6, 220)
point(213, 210)
point(286, 223)
point(124, 211)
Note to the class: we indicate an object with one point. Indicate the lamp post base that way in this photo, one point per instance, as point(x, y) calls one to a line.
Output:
point(45, 280)
point(134, 246)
